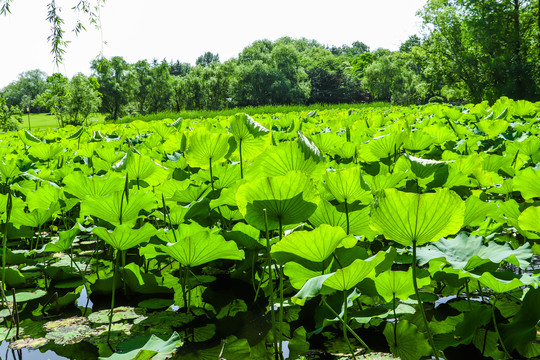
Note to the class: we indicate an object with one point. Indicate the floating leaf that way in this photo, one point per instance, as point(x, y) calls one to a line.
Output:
point(468, 252)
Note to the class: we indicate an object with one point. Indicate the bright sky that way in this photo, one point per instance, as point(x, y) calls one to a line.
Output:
point(185, 29)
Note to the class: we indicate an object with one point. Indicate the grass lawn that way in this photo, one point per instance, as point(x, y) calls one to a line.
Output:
point(45, 121)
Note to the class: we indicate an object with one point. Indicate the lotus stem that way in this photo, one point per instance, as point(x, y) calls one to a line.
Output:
point(468, 294)
point(241, 165)
point(344, 323)
point(507, 355)
point(395, 318)
point(280, 275)
point(211, 175)
point(347, 216)
point(269, 265)
point(353, 333)
point(420, 305)
point(112, 297)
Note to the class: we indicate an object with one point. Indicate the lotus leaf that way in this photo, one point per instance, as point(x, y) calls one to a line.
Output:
point(316, 245)
point(288, 199)
point(202, 247)
point(407, 218)
point(123, 237)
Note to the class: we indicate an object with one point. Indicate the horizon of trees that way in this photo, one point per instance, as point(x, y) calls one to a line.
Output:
point(474, 50)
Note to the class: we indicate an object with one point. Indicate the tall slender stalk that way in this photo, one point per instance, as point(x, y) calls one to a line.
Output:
point(497, 329)
point(351, 331)
point(241, 162)
point(347, 216)
point(9, 206)
point(280, 318)
point(345, 322)
point(421, 306)
point(269, 266)
point(113, 293)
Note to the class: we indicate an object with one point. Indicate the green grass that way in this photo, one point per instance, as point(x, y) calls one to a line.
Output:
point(250, 110)
point(47, 121)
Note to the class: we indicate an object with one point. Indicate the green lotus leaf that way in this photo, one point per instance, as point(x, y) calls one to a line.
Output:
point(384, 146)
point(528, 183)
point(245, 235)
point(349, 276)
point(140, 167)
point(316, 245)
point(9, 170)
point(384, 181)
point(141, 282)
point(77, 134)
point(35, 218)
point(289, 199)
point(205, 149)
point(63, 243)
point(503, 283)
point(309, 148)
point(327, 213)
point(407, 218)
point(411, 344)
point(529, 219)
point(116, 210)
point(477, 210)
point(398, 283)
point(298, 274)
point(244, 127)
point(81, 186)
point(146, 347)
point(43, 197)
point(522, 329)
point(418, 140)
point(492, 128)
point(281, 159)
point(110, 154)
point(467, 252)
point(45, 152)
point(202, 247)
point(123, 237)
point(347, 186)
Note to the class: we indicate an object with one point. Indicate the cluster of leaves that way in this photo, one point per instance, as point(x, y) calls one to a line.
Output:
point(403, 222)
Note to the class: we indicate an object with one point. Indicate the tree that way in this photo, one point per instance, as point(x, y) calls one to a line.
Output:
point(143, 82)
point(54, 96)
point(10, 116)
point(411, 42)
point(115, 85)
point(393, 78)
point(82, 99)
point(160, 88)
point(30, 84)
point(179, 69)
point(485, 45)
point(207, 59)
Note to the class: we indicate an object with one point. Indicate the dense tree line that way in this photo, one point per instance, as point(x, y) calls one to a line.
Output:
point(473, 50)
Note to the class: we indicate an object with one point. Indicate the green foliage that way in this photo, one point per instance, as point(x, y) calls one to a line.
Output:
point(10, 116)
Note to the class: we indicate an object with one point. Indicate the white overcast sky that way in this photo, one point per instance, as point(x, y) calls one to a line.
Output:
point(184, 29)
